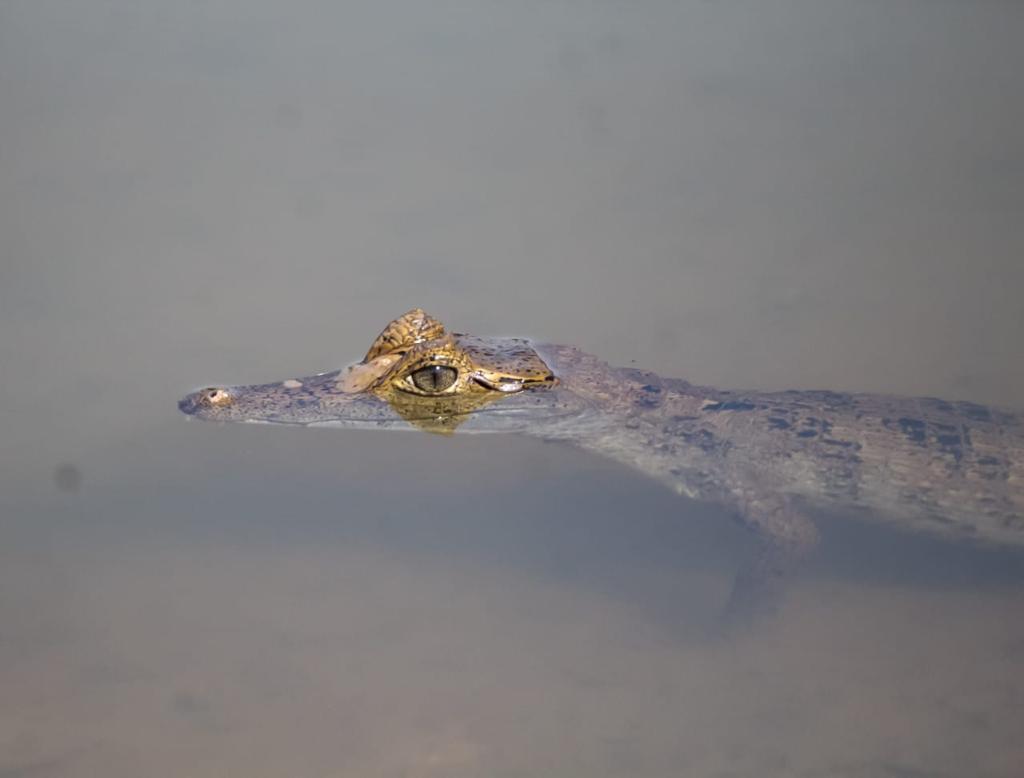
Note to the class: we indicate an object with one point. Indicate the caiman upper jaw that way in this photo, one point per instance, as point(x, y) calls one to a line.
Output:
point(205, 399)
point(306, 401)
point(415, 373)
point(315, 401)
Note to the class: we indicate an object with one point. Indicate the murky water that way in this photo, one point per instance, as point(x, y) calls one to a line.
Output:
point(768, 195)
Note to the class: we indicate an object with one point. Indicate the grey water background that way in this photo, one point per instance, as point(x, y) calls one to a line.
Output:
point(764, 194)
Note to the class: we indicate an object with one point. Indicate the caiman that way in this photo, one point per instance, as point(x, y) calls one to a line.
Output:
point(772, 458)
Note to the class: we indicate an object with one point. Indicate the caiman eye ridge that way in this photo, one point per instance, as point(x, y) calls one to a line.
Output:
point(434, 378)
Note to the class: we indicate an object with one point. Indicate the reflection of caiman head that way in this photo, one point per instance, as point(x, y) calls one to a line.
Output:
point(414, 372)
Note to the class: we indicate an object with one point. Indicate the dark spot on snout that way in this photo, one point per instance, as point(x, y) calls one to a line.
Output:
point(189, 404)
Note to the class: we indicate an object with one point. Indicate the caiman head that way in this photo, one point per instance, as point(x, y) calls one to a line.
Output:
point(415, 373)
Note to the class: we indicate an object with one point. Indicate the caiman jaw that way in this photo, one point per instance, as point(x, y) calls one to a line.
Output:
point(414, 371)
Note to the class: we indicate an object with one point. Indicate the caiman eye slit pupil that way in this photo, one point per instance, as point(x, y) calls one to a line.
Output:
point(434, 378)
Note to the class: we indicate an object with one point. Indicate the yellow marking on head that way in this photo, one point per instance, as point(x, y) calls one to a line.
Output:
point(505, 365)
point(434, 379)
point(442, 352)
point(407, 330)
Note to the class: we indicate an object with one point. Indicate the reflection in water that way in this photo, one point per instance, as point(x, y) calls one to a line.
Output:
point(441, 415)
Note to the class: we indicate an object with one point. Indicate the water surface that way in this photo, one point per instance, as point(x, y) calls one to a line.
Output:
point(768, 195)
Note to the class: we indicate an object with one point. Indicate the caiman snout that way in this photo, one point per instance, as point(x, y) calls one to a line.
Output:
point(204, 399)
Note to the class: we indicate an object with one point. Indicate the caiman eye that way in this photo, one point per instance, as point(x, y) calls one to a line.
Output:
point(434, 378)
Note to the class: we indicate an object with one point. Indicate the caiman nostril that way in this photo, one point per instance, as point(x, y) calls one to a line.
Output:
point(215, 396)
point(205, 399)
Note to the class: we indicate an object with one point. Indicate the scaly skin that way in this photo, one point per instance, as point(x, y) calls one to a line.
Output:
point(952, 468)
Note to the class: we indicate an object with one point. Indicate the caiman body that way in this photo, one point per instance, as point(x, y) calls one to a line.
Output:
point(953, 468)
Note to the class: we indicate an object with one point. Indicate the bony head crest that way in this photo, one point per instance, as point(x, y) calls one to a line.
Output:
point(409, 329)
point(394, 342)
point(434, 378)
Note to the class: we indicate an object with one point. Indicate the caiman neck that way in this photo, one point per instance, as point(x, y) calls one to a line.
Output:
point(622, 397)
point(635, 417)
